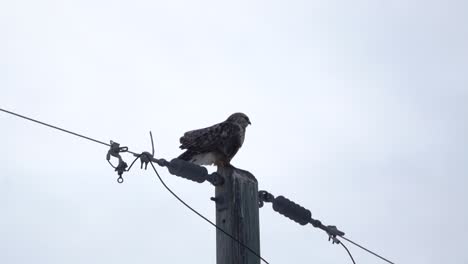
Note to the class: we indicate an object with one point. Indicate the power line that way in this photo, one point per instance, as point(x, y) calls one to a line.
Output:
point(184, 203)
point(303, 216)
point(368, 250)
point(137, 157)
point(349, 253)
point(204, 218)
point(55, 127)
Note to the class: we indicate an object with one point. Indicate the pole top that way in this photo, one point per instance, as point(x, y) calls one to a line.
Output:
point(231, 170)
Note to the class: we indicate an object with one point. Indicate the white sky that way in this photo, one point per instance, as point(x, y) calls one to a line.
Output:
point(358, 109)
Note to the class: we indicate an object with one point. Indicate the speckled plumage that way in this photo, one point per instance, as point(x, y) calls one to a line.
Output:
point(216, 144)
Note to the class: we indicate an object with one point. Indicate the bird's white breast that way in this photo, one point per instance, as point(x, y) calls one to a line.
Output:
point(204, 158)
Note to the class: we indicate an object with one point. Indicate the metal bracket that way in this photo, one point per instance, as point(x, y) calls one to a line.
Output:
point(146, 157)
point(264, 197)
point(115, 151)
point(220, 202)
point(215, 179)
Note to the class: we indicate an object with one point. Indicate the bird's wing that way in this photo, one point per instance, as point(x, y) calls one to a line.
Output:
point(211, 138)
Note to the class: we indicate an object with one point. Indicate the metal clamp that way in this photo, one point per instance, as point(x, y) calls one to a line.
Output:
point(264, 197)
point(146, 157)
point(115, 151)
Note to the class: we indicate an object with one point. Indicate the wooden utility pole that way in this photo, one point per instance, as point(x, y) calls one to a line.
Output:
point(237, 214)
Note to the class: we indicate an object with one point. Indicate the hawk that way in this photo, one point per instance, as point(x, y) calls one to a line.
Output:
point(216, 144)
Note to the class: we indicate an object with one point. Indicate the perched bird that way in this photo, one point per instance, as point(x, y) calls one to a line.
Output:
point(216, 144)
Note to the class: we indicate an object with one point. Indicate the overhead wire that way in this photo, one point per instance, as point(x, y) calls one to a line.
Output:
point(368, 250)
point(55, 127)
point(177, 197)
point(349, 253)
point(204, 218)
point(137, 157)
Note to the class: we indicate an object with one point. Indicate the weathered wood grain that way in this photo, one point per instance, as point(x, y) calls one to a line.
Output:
point(237, 213)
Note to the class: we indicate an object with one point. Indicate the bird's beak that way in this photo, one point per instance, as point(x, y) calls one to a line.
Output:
point(249, 122)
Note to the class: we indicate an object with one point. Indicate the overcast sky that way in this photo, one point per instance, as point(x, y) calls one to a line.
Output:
point(359, 112)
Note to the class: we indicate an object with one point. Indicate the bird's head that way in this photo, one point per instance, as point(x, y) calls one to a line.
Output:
point(240, 119)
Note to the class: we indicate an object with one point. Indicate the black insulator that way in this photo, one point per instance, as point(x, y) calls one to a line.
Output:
point(187, 170)
point(316, 223)
point(292, 210)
